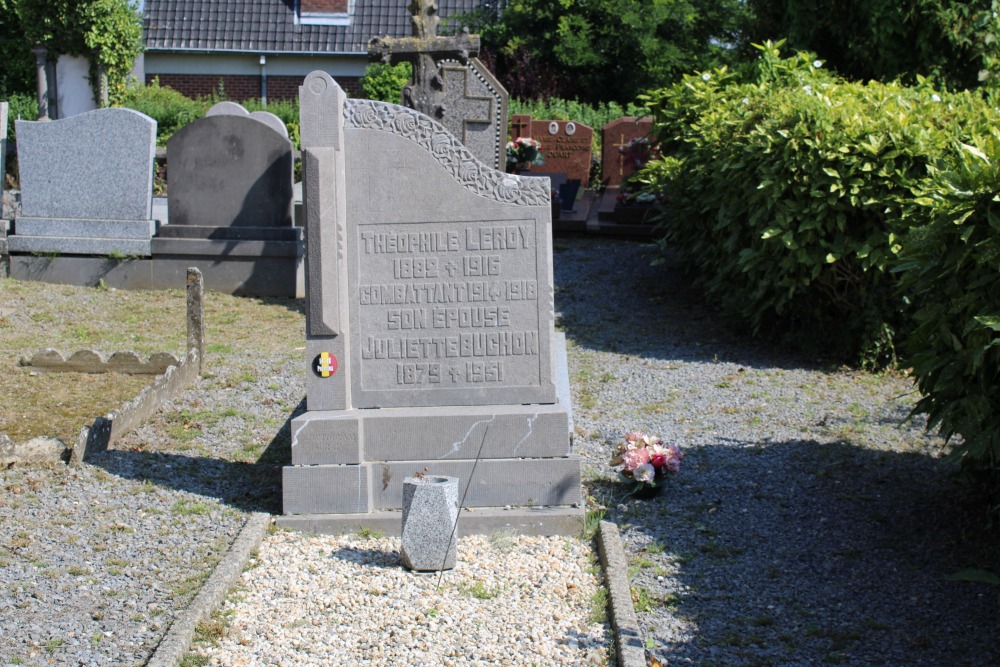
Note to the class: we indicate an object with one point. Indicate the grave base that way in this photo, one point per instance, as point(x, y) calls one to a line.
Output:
point(475, 521)
point(256, 276)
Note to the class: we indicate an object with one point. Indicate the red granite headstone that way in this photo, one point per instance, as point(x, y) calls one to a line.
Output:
point(566, 145)
point(615, 136)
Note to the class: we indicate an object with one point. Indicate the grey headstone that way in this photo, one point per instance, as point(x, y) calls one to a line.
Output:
point(94, 166)
point(430, 512)
point(3, 149)
point(227, 109)
point(229, 170)
point(476, 109)
point(86, 183)
point(429, 331)
point(271, 121)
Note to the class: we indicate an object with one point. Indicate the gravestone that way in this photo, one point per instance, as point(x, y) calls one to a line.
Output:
point(429, 334)
point(566, 145)
point(230, 205)
point(86, 184)
point(3, 181)
point(614, 138)
point(449, 83)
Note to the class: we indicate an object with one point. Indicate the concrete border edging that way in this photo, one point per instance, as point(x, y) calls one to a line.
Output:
point(624, 622)
point(175, 644)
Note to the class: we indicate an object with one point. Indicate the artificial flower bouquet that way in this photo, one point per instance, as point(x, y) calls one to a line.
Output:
point(522, 152)
point(645, 460)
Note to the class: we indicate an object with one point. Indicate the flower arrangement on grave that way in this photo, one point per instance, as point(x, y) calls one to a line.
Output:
point(639, 151)
point(523, 152)
point(645, 462)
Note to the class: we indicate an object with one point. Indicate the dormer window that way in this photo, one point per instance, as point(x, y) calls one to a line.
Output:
point(325, 12)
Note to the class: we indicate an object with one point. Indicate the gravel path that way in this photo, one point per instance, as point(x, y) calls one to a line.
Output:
point(807, 526)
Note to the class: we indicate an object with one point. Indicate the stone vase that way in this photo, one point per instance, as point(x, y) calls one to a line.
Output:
point(430, 509)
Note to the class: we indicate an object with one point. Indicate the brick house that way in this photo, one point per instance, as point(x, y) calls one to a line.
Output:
point(264, 48)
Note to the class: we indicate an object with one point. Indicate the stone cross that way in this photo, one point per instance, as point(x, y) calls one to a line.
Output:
point(424, 49)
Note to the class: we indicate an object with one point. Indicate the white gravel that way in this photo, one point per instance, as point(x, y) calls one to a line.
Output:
point(321, 600)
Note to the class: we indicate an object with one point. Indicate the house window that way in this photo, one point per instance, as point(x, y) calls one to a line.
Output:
point(325, 12)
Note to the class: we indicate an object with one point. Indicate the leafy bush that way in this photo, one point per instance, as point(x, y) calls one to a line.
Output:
point(948, 269)
point(384, 82)
point(169, 108)
point(785, 186)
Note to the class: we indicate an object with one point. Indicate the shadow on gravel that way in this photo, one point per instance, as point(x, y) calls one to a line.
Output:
point(609, 297)
point(800, 552)
point(251, 487)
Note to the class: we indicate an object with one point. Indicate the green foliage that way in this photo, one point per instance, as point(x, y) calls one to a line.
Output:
point(600, 50)
point(785, 188)
point(17, 75)
point(170, 109)
point(385, 82)
point(107, 32)
point(948, 267)
point(953, 41)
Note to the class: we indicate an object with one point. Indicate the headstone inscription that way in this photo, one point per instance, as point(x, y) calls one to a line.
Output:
point(86, 184)
point(430, 337)
point(449, 83)
point(230, 204)
point(615, 138)
point(566, 144)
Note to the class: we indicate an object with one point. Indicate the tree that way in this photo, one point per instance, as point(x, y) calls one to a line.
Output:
point(17, 73)
point(953, 41)
point(107, 32)
point(608, 50)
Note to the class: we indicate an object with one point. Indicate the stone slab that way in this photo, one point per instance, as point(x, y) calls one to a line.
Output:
point(224, 250)
point(392, 434)
point(66, 245)
point(106, 229)
point(96, 165)
point(351, 436)
point(230, 233)
point(326, 489)
point(241, 275)
point(335, 489)
point(477, 521)
point(84, 271)
point(229, 170)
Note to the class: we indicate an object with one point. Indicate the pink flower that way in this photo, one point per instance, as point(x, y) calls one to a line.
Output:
point(673, 464)
point(644, 473)
point(634, 458)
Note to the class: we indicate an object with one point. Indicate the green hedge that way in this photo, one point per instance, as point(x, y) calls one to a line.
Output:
point(785, 185)
point(171, 110)
point(949, 268)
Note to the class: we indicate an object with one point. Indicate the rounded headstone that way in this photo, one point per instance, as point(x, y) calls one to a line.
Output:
point(227, 109)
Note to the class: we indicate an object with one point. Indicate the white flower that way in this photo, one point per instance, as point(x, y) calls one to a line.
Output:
point(808, 89)
point(817, 64)
point(644, 473)
point(706, 77)
point(935, 97)
point(746, 100)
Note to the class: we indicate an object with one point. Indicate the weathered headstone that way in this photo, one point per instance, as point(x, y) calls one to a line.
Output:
point(429, 337)
point(615, 136)
point(449, 83)
point(3, 179)
point(86, 184)
point(230, 204)
point(566, 144)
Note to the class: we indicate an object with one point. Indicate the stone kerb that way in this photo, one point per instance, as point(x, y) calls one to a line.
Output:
point(86, 184)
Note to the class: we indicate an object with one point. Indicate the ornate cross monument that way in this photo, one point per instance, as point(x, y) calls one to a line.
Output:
point(449, 83)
